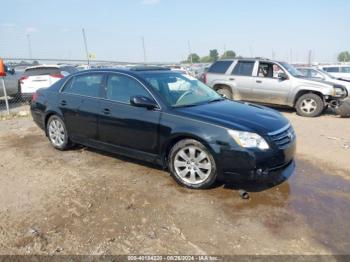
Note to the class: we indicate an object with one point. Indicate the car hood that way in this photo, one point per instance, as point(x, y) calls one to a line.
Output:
point(314, 83)
point(237, 115)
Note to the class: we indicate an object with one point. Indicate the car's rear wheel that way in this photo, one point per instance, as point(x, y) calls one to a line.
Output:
point(192, 165)
point(309, 105)
point(225, 92)
point(57, 133)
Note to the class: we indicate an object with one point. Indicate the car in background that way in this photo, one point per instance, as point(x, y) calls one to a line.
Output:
point(193, 131)
point(339, 71)
point(42, 76)
point(272, 82)
point(11, 82)
point(317, 74)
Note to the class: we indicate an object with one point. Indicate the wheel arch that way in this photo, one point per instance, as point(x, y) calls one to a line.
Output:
point(306, 91)
point(169, 144)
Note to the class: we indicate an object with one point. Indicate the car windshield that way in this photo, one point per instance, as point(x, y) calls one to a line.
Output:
point(292, 70)
point(179, 90)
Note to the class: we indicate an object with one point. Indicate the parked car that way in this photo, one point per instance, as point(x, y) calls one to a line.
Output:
point(274, 83)
point(11, 82)
point(42, 76)
point(320, 75)
point(339, 71)
point(194, 132)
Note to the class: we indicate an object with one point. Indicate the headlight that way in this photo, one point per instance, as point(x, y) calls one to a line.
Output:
point(248, 140)
point(339, 91)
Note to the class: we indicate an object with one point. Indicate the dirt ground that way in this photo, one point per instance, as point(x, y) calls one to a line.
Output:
point(84, 201)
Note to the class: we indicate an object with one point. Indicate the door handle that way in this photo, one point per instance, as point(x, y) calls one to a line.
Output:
point(106, 111)
point(63, 103)
point(259, 81)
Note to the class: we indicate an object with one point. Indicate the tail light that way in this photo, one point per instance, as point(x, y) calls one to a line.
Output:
point(57, 75)
point(23, 78)
point(205, 78)
point(35, 97)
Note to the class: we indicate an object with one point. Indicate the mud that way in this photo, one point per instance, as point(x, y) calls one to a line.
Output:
point(85, 201)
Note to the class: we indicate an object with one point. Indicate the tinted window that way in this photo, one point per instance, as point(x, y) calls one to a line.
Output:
point(42, 71)
point(331, 69)
point(69, 69)
point(121, 88)
point(345, 69)
point(243, 68)
point(220, 67)
point(87, 85)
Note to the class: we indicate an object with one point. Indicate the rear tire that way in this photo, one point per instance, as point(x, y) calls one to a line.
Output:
point(225, 92)
point(192, 165)
point(309, 105)
point(57, 133)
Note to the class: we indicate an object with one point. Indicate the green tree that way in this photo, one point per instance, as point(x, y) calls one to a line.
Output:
point(206, 59)
point(214, 55)
point(195, 58)
point(344, 56)
point(228, 54)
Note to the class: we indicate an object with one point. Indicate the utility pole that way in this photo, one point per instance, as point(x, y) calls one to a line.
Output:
point(86, 48)
point(144, 50)
point(189, 51)
point(309, 58)
point(29, 46)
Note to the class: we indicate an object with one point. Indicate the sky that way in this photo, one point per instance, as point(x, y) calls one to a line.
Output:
point(285, 30)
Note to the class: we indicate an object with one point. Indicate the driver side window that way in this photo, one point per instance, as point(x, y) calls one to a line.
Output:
point(269, 70)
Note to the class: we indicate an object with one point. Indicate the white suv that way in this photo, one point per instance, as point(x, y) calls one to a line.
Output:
point(42, 76)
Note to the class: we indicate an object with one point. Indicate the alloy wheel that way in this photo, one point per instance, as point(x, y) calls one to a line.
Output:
point(192, 165)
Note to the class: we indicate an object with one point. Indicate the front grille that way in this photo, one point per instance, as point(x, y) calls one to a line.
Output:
point(283, 137)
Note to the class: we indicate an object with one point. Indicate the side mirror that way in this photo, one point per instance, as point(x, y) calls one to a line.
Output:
point(143, 101)
point(282, 76)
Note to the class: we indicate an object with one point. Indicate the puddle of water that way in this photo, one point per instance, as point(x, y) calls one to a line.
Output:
point(313, 193)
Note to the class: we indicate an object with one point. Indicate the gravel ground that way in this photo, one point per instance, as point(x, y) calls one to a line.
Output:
point(85, 201)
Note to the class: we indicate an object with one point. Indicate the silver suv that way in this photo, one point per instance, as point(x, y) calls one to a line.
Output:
point(271, 82)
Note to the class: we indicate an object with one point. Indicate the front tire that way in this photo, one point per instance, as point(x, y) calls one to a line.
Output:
point(57, 133)
point(309, 105)
point(192, 165)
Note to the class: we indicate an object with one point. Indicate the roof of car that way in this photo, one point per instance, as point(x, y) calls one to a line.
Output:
point(46, 66)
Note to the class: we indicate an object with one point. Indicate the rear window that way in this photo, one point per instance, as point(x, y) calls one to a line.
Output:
point(331, 69)
point(220, 67)
point(38, 71)
point(244, 68)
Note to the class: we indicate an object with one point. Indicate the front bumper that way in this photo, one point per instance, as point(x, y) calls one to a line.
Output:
point(254, 164)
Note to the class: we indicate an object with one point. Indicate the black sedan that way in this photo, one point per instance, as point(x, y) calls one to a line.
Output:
point(157, 115)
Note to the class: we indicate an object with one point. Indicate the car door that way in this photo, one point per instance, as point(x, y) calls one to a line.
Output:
point(79, 102)
point(242, 78)
point(268, 87)
point(124, 125)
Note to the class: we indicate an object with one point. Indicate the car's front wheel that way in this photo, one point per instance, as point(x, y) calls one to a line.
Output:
point(192, 165)
point(309, 105)
point(57, 133)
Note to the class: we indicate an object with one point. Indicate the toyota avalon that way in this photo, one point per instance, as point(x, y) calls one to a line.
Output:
point(168, 118)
